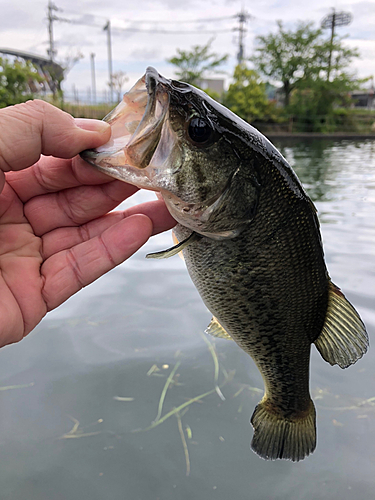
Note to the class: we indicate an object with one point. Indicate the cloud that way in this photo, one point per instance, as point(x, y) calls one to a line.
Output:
point(144, 54)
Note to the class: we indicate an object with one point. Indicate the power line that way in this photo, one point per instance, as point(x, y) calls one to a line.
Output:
point(76, 21)
point(182, 21)
point(162, 21)
point(142, 30)
point(173, 32)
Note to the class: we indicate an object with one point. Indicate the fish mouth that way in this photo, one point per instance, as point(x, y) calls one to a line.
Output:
point(136, 128)
point(145, 151)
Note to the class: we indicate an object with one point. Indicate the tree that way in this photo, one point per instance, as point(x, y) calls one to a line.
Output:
point(297, 57)
point(118, 80)
point(246, 95)
point(195, 64)
point(18, 80)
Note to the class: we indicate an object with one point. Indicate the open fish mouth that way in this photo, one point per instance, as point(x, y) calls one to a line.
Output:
point(136, 128)
point(151, 146)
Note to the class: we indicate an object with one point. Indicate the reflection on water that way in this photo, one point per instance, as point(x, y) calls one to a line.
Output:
point(323, 167)
point(117, 394)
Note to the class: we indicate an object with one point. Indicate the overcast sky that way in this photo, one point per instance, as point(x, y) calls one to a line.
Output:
point(23, 26)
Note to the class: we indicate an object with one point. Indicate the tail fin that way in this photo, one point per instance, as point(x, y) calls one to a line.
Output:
point(278, 437)
point(343, 339)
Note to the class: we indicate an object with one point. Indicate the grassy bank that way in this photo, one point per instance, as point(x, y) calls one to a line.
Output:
point(350, 122)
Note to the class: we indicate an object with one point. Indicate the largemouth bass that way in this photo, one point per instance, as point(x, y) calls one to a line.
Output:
point(251, 241)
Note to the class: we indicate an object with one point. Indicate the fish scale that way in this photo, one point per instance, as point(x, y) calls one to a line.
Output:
point(278, 300)
point(251, 242)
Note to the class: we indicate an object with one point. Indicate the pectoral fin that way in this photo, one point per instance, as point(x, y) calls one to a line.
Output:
point(164, 254)
point(216, 330)
point(176, 242)
point(343, 339)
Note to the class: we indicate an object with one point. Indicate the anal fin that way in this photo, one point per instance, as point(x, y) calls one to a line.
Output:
point(343, 339)
point(216, 330)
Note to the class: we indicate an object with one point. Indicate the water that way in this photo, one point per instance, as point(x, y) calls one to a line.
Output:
point(65, 432)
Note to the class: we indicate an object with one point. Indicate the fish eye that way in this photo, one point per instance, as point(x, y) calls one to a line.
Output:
point(199, 130)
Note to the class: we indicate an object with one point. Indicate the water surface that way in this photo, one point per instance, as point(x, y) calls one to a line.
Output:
point(73, 393)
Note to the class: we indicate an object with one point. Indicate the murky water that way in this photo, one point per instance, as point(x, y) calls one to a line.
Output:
point(93, 372)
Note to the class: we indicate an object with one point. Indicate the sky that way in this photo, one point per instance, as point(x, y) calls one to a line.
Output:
point(163, 26)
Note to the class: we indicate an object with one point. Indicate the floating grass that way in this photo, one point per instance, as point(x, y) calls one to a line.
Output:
point(184, 444)
point(11, 387)
point(212, 350)
point(165, 389)
point(369, 401)
point(175, 410)
point(75, 432)
point(154, 368)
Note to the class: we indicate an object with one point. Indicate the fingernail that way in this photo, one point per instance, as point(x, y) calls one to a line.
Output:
point(92, 125)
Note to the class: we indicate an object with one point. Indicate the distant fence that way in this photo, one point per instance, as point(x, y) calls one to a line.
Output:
point(98, 111)
point(343, 123)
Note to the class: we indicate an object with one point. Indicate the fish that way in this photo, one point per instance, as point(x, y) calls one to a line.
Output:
point(250, 237)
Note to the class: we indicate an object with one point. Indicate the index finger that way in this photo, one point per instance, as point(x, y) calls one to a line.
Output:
point(36, 127)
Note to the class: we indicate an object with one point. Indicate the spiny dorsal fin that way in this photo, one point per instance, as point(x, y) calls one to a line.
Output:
point(216, 330)
point(343, 339)
point(164, 254)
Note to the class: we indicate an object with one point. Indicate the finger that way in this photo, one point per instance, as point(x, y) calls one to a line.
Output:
point(67, 237)
point(20, 285)
point(2, 180)
point(36, 127)
point(67, 272)
point(157, 212)
point(76, 206)
point(49, 175)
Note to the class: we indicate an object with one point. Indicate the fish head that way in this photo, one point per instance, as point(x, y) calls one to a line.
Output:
point(169, 137)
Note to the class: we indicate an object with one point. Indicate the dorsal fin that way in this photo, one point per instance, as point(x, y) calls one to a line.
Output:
point(216, 330)
point(343, 339)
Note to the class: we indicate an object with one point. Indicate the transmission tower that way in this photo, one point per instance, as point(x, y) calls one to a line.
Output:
point(330, 22)
point(242, 17)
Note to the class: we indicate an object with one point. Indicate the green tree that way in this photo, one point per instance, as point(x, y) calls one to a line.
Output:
point(301, 58)
point(246, 95)
point(193, 65)
point(17, 79)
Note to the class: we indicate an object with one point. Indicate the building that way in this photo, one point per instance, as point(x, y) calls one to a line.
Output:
point(215, 84)
point(364, 98)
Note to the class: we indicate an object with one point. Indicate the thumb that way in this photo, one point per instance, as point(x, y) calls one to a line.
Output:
point(33, 128)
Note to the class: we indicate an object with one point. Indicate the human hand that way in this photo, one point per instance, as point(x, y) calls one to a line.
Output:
point(56, 235)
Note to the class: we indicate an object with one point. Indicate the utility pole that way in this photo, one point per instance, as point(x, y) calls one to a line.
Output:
point(242, 20)
point(93, 80)
point(51, 51)
point(331, 21)
point(107, 28)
